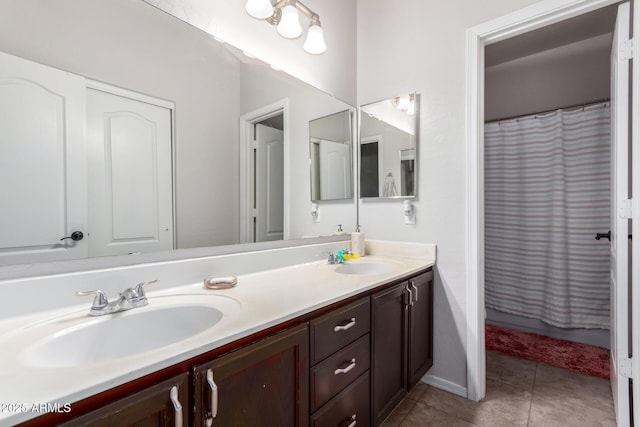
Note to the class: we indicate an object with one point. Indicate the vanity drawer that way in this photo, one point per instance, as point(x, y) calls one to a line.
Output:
point(352, 404)
point(333, 374)
point(338, 328)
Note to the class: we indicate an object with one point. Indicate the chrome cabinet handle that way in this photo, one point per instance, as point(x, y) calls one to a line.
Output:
point(352, 418)
point(346, 326)
point(410, 295)
point(415, 289)
point(214, 397)
point(177, 407)
point(346, 369)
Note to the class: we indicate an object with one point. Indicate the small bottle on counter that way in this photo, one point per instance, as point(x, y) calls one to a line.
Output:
point(357, 242)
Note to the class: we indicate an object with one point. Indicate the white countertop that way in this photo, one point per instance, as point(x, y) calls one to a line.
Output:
point(266, 299)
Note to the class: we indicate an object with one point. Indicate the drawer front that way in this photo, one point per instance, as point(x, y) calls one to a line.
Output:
point(333, 374)
point(338, 328)
point(352, 404)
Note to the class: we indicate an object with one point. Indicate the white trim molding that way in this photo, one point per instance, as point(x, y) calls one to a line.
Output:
point(538, 15)
point(445, 385)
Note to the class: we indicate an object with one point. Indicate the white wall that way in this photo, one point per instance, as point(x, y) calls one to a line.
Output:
point(262, 87)
point(334, 71)
point(138, 47)
point(574, 74)
point(419, 45)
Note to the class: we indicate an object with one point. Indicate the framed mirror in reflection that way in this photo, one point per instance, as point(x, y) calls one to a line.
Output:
point(132, 136)
point(387, 149)
point(330, 150)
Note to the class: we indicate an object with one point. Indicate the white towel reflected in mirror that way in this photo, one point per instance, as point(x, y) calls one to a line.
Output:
point(389, 189)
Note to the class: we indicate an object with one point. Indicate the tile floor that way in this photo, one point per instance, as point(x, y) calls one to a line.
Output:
point(519, 393)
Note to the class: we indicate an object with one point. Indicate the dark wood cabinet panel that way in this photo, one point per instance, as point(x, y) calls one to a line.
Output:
point(151, 407)
point(338, 328)
point(337, 371)
point(389, 346)
point(420, 345)
point(264, 384)
point(352, 404)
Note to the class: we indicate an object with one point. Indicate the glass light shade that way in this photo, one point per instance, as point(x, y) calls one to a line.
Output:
point(404, 102)
point(315, 41)
point(259, 9)
point(289, 25)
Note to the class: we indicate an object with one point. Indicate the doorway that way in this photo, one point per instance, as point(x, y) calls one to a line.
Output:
point(264, 173)
point(528, 19)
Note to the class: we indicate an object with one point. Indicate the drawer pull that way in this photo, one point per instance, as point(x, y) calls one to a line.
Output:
point(351, 420)
point(177, 407)
point(346, 369)
point(214, 397)
point(346, 326)
point(415, 289)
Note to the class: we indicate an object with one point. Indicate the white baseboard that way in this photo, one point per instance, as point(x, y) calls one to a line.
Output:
point(445, 385)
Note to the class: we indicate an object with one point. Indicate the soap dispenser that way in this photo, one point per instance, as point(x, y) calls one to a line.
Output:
point(357, 242)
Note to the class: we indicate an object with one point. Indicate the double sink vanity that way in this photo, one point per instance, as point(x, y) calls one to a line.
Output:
point(301, 343)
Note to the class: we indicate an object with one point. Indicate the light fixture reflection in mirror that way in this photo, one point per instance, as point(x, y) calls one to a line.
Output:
point(330, 154)
point(388, 142)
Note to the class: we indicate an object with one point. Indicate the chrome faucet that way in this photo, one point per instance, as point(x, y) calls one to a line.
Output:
point(127, 299)
point(334, 259)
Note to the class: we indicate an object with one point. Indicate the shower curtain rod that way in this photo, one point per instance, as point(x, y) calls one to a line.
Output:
point(589, 104)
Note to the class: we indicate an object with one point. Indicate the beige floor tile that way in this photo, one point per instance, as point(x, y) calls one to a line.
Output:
point(399, 413)
point(504, 405)
point(423, 415)
point(511, 370)
point(566, 398)
point(417, 391)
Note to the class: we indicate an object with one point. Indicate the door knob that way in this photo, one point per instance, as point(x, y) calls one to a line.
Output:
point(75, 236)
point(602, 235)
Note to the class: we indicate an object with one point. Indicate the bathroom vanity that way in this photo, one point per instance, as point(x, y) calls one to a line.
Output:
point(308, 346)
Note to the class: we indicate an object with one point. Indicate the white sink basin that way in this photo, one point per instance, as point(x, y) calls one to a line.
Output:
point(365, 268)
point(165, 321)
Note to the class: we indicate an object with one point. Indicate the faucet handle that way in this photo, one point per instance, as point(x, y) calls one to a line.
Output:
point(140, 287)
point(99, 301)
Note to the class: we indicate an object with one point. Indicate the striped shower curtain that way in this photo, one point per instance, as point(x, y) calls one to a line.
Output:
point(547, 185)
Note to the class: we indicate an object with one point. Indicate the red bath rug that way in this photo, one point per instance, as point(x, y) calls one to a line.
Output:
point(584, 358)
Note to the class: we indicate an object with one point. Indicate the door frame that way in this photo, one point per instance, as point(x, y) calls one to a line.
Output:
point(246, 165)
point(521, 21)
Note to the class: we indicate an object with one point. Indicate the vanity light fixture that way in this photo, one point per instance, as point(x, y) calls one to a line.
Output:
point(285, 14)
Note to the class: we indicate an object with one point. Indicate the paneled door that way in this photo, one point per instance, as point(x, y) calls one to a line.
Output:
point(130, 175)
point(42, 163)
point(269, 186)
point(335, 170)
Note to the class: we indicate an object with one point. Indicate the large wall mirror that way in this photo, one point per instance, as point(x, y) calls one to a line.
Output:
point(388, 143)
point(160, 133)
point(330, 150)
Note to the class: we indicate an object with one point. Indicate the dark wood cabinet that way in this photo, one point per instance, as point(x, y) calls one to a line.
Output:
point(389, 350)
point(263, 384)
point(402, 341)
point(162, 405)
point(420, 330)
point(339, 375)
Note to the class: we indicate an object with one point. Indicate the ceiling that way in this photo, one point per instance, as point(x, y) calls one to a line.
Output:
point(592, 24)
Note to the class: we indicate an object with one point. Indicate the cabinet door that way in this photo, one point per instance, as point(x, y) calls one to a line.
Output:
point(420, 345)
point(162, 405)
point(264, 384)
point(389, 375)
